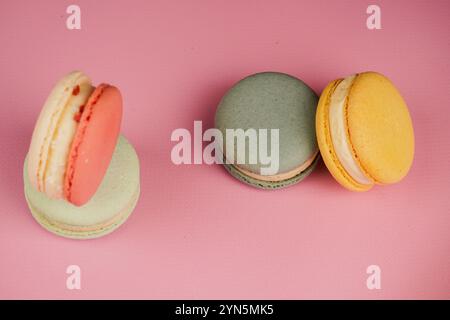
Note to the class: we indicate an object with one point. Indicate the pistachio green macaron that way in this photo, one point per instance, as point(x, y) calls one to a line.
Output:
point(264, 106)
point(109, 208)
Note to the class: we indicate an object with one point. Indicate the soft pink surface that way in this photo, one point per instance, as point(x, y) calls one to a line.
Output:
point(197, 232)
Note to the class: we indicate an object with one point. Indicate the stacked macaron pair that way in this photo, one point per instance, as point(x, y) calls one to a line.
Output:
point(81, 176)
point(360, 125)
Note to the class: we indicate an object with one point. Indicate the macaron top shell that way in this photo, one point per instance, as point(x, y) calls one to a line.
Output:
point(379, 127)
point(93, 144)
point(272, 100)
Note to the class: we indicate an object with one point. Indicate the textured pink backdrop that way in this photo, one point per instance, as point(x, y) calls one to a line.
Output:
point(197, 232)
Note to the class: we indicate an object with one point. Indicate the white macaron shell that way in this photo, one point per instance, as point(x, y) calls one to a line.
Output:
point(54, 132)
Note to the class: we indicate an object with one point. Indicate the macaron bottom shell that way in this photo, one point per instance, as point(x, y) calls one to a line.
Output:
point(91, 232)
point(270, 185)
point(109, 208)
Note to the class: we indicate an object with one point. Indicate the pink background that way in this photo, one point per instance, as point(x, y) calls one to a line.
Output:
point(197, 232)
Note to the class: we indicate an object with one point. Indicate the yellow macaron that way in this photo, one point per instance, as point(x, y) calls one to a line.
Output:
point(364, 131)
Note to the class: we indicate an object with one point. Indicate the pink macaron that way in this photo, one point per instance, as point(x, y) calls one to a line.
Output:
point(74, 139)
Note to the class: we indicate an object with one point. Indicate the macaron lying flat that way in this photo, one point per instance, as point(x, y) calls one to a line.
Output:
point(111, 205)
point(364, 131)
point(74, 138)
point(267, 101)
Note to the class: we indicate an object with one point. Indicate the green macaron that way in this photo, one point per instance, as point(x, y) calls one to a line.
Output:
point(110, 206)
point(259, 105)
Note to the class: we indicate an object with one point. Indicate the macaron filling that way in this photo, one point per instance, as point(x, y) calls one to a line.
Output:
point(282, 176)
point(338, 131)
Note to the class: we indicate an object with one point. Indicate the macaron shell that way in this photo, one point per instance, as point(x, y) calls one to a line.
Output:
point(380, 129)
point(53, 133)
point(92, 232)
point(270, 185)
point(93, 144)
point(111, 205)
point(325, 143)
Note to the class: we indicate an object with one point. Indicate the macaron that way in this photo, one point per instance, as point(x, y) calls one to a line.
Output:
point(364, 131)
point(74, 138)
point(278, 110)
point(110, 206)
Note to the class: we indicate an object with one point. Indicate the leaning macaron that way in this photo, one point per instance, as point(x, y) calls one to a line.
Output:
point(74, 139)
point(81, 178)
point(277, 110)
point(364, 131)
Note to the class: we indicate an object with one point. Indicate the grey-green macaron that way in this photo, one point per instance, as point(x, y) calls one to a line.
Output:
point(273, 115)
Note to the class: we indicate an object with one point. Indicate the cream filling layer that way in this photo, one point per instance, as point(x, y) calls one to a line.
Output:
point(338, 131)
point(283, 176)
